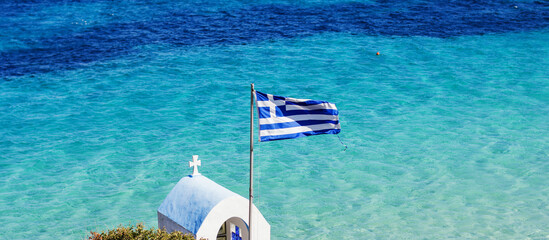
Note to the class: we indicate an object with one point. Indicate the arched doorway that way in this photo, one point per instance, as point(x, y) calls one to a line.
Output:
point(233, 229)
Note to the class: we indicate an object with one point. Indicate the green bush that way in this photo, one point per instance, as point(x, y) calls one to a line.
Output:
point(138, 233)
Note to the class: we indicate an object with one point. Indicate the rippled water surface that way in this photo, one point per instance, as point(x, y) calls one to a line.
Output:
point(103, 103)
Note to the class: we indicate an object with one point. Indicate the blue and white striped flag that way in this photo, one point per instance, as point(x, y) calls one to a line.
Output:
point(285, 118)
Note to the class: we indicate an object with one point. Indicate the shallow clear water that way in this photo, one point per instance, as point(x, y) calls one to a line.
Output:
point(104, 103)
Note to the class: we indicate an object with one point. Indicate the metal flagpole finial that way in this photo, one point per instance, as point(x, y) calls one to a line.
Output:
point(195, 163)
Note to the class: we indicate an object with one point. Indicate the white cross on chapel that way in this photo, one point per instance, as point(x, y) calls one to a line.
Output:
point(195, 163)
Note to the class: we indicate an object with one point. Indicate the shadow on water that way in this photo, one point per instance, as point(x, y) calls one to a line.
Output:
point(185, 27)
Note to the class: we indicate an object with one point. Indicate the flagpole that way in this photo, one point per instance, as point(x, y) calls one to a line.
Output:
point(251, 162)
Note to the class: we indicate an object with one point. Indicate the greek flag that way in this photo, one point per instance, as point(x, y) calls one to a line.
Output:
point(285, 118)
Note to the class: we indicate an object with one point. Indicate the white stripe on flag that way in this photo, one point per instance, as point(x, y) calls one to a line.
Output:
point(290, 107)
point(292, 130)
point(294, 118)
point(269, 103)
point(297, 100)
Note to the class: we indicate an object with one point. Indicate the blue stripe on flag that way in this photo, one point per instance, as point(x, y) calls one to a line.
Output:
point(298, 135)
point(305, 103)
point(294, 124)
point(264, 112)
point(319, 111)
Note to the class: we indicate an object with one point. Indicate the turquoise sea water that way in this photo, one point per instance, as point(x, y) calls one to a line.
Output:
point(103, 104)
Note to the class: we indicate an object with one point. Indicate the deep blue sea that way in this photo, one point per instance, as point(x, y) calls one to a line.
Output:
point(103, 103)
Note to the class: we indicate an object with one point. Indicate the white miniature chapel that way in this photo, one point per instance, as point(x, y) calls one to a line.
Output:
point(207, 210)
